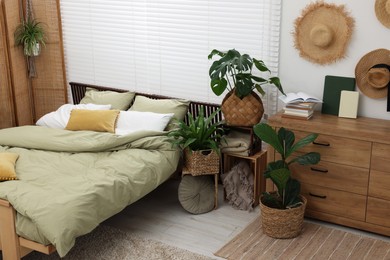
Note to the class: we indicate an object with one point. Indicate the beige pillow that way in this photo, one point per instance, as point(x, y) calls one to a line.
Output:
point(178, 107)
point(7, 166)
point(93, 120)
point(121, 101)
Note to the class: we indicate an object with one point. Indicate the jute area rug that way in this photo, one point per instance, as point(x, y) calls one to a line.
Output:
point(315, 242)
point(110, 243)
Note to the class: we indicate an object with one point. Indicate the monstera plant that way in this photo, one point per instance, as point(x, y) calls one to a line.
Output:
point(240, 75)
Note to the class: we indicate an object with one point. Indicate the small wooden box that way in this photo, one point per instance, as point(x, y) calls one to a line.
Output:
point(258, 163)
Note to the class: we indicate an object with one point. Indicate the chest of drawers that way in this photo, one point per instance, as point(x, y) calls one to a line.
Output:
point(351, 184)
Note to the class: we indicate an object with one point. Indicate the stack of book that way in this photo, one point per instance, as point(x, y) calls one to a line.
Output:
point(303, 110)
point(299, 105)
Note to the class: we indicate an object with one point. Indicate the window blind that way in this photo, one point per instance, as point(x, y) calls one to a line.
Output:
point(161, 46)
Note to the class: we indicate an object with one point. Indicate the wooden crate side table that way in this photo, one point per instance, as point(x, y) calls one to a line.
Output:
point(258, 163)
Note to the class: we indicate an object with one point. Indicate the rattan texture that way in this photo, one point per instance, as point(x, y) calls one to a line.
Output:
point(242, 112)
point(198, 163)
point(49, 87)
point(283, 223)
point(6, 102)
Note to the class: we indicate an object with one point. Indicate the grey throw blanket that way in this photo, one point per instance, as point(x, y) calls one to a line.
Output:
point(238, 184)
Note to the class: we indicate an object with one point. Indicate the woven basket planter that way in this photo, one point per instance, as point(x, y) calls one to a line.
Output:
point(200, 162)
point(282, 223)
point(242, 112)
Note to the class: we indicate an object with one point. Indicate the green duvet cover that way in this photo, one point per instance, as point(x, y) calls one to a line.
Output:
point(70, 181)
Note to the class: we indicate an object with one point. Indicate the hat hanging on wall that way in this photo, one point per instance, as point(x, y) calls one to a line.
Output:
point(372, 73)
point(382, 11)
point(322, 32)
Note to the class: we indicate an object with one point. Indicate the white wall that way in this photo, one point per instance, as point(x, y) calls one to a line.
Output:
point(297, 74)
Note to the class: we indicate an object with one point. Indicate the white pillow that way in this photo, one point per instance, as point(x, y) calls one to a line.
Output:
point(60, 117)
point(132, 121)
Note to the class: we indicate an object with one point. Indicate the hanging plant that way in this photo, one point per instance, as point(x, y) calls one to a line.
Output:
point(31, 35)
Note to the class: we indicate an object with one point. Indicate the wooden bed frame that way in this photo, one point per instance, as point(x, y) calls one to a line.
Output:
point(13, 246)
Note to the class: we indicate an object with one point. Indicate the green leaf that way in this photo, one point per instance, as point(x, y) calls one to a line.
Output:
point(243, 88)
point(218, 86)
point(291, 193)
point(271, 166)
point(260, 89)
point(303, 142)
point(268, 135)
point(215, 52)
point(260, 65)
point(276, 82)
point(243, 63)
point(280, 178)
point(258, 79)
point(286, 138)
point(307, 159)
point(271, 200)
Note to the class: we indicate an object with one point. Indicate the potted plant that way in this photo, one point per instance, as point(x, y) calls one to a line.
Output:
point(31, 35)
point(199, 139)
point(234, 72)
point(282, 211)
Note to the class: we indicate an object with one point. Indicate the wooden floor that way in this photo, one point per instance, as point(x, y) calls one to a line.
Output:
point(160, 216)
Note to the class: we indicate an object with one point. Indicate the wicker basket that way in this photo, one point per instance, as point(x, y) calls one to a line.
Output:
point(242, 112)
point(200, 162)
point(282, 223)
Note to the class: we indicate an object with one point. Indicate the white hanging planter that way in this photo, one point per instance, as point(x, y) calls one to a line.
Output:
point(33, 50)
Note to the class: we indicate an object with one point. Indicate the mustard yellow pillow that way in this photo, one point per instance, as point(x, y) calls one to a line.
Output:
point(93, 120)
point(7, 166)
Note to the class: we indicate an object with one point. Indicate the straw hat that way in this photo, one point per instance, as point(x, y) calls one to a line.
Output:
point(382, 11)
point(372, 73)
point(322, 32)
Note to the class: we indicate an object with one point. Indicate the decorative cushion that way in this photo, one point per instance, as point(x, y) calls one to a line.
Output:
point(196, 193)
point(117, 100)
point(7, 166)
point(164, 106)
point(132, 121)
point(60, 117)
point(93, 120)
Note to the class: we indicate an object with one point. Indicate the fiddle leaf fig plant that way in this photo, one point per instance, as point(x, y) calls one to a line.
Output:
point(236, 71)
point(283, 141)
point(31, 35)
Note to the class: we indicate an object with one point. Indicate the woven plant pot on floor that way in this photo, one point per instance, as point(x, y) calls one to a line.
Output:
point(242, 112)
point(282, 223)
point(200, 162)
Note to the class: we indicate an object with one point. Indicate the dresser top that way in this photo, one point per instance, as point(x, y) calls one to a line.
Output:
point(361, 128)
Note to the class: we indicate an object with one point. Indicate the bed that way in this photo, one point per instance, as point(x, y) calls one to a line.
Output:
point(70, 181)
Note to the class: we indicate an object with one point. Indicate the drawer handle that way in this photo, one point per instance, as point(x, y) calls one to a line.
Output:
point(321, 143)
point(317, 196)
point(315, 169)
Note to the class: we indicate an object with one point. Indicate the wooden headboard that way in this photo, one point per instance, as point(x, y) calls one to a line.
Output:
point(79, 89)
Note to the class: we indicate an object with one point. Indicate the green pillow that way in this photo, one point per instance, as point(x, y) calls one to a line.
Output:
point(178, 107)
point(196, 193)
point(121, 101)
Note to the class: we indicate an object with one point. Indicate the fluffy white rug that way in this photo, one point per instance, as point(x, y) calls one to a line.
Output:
point(107, 242)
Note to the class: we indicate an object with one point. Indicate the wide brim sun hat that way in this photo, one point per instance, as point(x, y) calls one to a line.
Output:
point(322, 32)
point(372, 73)
point(382, 12)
